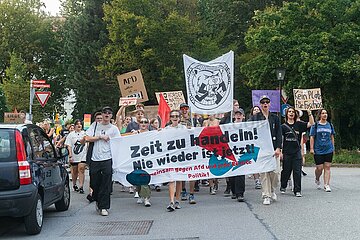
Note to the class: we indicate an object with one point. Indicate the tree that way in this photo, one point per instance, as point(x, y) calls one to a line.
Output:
point(318, 44)
point(153, 36)
point(84, 35)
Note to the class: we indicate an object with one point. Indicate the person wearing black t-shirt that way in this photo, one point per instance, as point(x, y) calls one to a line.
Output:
point(292, 131)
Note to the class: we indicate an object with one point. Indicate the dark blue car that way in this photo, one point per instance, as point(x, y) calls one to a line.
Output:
point(32, 175)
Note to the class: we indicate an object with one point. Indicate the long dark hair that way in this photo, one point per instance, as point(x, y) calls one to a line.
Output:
point(318, 114)
point(286, 113)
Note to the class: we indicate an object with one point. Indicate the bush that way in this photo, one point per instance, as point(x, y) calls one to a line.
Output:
point(341, 157)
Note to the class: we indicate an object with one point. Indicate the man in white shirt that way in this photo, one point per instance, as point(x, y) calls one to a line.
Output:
point(101, 160)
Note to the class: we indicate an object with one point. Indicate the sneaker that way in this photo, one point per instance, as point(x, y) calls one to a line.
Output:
point(75, 188)
point(240, 198)
point(298, 194)
point(282, 190)
point(227, 192)
point(327, 188)
point(205, 183)
point(317, 182)
point(104, 212)
point(177, 205)
point(192, 199)
point(158, 189)
point(171, 207)
point(303, 173)
point(131, 190)
point(147, 202)
point(81, 190)
point(136, 195)
point(266, 201)
point(139, 201)
point(122, 189)
point(212, 191)
point(257, 184)
point(274, 196)
point(233, 196)
point(183, 196)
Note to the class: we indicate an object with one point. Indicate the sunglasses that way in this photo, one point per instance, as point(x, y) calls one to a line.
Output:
point(107, 112)
point(184, 108)
point(266, 101)
point(144, 122)
point(174, 116)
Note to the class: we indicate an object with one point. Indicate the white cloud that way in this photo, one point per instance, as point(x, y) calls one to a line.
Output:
point(52, 6)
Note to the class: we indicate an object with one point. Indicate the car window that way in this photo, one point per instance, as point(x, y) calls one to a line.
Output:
point(7, 145)
point(48, 147)
point(37, 144)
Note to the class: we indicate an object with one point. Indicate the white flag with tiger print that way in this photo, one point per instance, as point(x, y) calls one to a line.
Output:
point(210, 85)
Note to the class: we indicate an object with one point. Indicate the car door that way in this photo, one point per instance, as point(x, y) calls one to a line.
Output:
point(44, 156)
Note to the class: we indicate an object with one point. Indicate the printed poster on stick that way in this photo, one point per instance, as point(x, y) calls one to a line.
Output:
point(308, 99)
point(173, 99)
point(192, 154)
point(132, 85)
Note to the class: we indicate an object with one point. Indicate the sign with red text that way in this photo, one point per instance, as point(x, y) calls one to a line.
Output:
point(181, 154)
point(173, 99)
point(124, 101)
point(12, 118)
point(308, 99)
point(42, 97)
point(132, 85)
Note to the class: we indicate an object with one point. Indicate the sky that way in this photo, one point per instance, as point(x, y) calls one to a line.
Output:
point(52, 6)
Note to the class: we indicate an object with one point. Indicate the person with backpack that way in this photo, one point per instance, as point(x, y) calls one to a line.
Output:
point(322, 145)
point(292, 130)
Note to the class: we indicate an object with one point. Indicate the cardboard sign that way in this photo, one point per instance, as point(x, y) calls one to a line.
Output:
point(12, 118)
point(132, 85)
point(128, 101)
point(308, 99)
point(173, 99)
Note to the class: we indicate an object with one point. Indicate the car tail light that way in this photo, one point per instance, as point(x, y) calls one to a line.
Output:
point(24, 166)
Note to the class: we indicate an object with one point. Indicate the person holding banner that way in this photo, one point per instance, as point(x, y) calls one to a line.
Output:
point(255, 110)
point(143, 190)
point(176, 187)
point(237, 183)
point(270, 180)
point(101, 160)
point(292, 131)
point(322, 145)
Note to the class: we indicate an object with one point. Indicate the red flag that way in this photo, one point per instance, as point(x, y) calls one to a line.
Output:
point(163, 111)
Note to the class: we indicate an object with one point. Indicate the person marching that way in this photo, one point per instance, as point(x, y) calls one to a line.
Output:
point(322, 145)
point(77, 148)
point(270, 180)
point(101, 160)
point(254, 110)
point(292, 131)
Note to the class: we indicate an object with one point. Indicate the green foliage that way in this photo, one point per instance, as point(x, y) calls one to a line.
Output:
point(318, 44)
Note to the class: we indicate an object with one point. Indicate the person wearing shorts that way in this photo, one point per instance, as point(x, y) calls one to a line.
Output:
point(322, 144)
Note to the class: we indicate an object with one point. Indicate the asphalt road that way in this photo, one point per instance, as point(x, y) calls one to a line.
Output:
point(316, 215)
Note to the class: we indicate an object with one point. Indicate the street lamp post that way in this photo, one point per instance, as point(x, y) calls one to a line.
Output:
point(280, 75)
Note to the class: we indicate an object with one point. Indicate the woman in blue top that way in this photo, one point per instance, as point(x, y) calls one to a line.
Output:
point(322, 146)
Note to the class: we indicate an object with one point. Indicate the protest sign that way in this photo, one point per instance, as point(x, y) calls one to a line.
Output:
point(128, 101)
point(12, 118)
point(274, 96)
point(173, 99)
point(308, 99)
point(210, 85)
point(192, 154)
point(132, 85)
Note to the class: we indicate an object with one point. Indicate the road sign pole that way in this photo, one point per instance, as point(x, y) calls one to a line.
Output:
point(31, 101)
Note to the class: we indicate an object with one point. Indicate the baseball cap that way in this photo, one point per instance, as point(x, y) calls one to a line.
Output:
point(184, 105)
point(107, 108)
point(240, 111)
point(263, 97)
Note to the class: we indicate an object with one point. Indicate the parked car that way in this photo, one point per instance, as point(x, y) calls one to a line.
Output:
point(32, 175)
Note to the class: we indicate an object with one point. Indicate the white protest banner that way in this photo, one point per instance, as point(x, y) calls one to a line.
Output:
point(132, 85)
point(127, 101)
point(210, 85)
point(173, 99)
point(308, 99)
point(192, 154)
